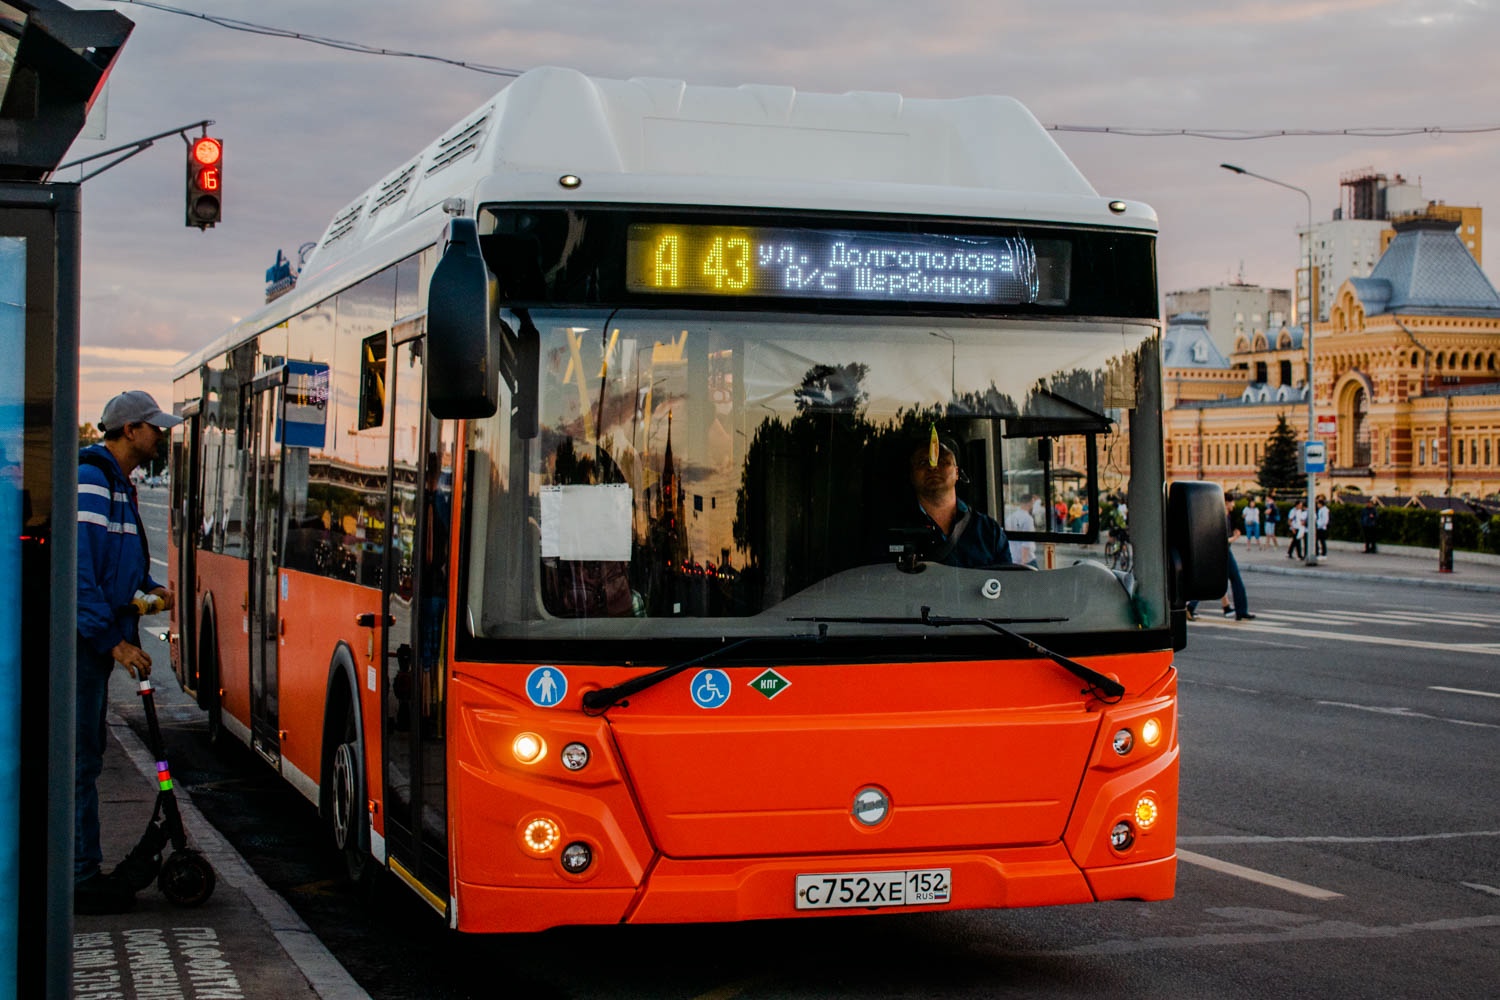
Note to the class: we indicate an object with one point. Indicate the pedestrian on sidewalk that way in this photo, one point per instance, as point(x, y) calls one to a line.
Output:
point(1369, 521)
point(1251, 517)
point(1296, 522)
point(1240, 609)
point(1323, 515)
point(1272, 519)
point(114, 564)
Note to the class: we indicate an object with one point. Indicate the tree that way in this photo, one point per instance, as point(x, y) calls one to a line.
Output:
point(1278, 469)
point(87, 435)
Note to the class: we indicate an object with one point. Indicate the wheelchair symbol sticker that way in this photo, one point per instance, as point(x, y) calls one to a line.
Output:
point(545, 686)
point(710, 688)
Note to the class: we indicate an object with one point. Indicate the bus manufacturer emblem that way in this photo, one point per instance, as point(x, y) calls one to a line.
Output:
point(870, 806)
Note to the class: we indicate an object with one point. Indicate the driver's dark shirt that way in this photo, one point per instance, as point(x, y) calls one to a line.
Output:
point(983, 542)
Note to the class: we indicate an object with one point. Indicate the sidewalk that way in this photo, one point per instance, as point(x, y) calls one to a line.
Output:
point(244, 942)
point(1474, 571)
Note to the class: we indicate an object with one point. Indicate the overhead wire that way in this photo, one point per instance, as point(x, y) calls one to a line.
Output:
point(1223, 134)
point(235, 24)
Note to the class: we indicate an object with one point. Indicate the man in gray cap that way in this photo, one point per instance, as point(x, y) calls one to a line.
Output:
point(114, 564)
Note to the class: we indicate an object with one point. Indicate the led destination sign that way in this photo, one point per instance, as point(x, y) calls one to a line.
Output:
point(778, 262)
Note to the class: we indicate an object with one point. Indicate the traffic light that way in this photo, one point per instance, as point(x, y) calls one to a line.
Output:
point(205, 181)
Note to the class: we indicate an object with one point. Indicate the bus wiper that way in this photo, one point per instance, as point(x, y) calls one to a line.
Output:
point(1102, 687)
point(602, 700)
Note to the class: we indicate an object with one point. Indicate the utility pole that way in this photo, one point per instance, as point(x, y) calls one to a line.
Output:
point(1311, 556)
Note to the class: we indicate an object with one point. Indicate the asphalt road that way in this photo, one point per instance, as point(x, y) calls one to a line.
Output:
point(1340, 837)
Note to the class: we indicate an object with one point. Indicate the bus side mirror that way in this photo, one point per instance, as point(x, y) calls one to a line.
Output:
point(1198, 541)
point(463, 344)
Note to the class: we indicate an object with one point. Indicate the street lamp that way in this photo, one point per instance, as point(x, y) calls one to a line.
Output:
point(1311, 556)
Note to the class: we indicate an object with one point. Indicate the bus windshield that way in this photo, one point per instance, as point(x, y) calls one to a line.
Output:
point(716, 473)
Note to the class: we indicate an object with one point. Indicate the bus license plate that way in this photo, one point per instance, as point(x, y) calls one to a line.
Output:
point(846, 890)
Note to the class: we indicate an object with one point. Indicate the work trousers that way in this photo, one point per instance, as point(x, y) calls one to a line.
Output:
point(92, 702)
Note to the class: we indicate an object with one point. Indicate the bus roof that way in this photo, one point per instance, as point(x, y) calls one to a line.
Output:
point(664, 142)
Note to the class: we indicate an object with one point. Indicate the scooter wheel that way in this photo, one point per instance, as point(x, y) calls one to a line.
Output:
point(186, 879)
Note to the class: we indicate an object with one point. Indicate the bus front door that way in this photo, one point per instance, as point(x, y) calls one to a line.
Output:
point(416, 599)
point(182, 527)
point(265, 400)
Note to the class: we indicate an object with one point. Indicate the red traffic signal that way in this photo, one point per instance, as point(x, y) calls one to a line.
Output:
point(205, 174)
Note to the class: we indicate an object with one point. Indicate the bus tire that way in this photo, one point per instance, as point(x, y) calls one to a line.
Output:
point(344, 803)
point(208, 679)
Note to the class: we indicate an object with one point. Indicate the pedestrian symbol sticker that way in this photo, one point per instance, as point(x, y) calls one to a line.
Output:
point(545, 686)
point(710, 688)
point(770, 684)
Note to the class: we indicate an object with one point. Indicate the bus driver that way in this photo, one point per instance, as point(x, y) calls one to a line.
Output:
point(947, 530)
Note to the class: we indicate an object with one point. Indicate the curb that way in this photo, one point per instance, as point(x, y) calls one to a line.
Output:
point(328, 979)
point(1413, 581)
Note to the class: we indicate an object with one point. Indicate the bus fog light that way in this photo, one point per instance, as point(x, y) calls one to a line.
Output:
point(541, 835)
point(529, 748)
point(1146, 812)
point(1122, 836)
point(1124, 740)
point(574, 756)
point(576, 858)
point(1151, 732)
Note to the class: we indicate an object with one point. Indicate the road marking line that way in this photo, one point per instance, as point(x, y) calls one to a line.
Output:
point(1482, 694)
point(1487, 649)
point(1407, 713)
point(1314, 931)
point(1400, 839)
point(1250, 874)
point(1481, 887)
point(1396, 618)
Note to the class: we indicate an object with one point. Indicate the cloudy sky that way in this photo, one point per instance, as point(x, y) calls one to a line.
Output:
point(306, 128)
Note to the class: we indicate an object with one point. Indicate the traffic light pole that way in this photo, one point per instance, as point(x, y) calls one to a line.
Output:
point(137, 146)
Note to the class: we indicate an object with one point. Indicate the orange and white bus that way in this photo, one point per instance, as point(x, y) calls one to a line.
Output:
point(555, 533)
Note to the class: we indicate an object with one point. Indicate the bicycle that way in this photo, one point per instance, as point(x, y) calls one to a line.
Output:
point(1117, 551)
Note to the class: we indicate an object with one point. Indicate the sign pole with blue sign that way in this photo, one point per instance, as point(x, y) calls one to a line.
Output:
point(1314, 456)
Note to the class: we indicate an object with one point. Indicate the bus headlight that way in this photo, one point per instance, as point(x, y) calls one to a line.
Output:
point(576, 858)
point(1123, 741)
point(1151, 732)
point(1122, 836)
point(574, 756)
point(1146, 812)
point(529, 748)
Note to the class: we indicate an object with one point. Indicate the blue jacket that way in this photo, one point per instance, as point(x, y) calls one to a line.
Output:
point(112, 559)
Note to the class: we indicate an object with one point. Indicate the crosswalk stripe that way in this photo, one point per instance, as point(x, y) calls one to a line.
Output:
point(1481, 648)
point(1348, 618)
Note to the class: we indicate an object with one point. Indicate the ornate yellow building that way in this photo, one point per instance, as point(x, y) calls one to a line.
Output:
point(1406, 378)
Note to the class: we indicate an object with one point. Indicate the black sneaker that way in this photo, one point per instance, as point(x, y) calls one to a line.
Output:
point(101, 893)
point(1244, 618)
point(1228, 612)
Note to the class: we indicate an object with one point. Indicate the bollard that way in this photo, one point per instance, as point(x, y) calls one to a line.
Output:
point(1445, 542)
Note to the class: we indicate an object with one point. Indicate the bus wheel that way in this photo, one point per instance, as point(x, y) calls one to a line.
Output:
point(209, 679)
point(346, 806)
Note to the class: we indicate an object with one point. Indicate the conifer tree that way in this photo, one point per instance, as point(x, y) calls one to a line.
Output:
point(1278, 468)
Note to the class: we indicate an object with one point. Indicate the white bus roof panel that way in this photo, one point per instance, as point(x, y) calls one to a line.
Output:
point(665, 141)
